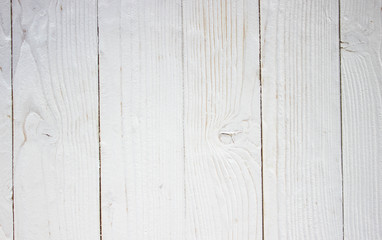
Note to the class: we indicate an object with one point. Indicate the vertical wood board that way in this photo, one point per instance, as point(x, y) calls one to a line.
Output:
point(301, 120)
point(222, 120)
point(141, 119)
point(55, 113)
point(361, 50)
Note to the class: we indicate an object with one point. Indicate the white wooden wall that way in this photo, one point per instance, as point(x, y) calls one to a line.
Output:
point(190, 119)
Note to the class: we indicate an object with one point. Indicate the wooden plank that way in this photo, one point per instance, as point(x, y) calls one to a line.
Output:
point(222, 120)
point(361, 35)
point(56, 126)
point(6, 222)
point(141, 119)
point(301, 120)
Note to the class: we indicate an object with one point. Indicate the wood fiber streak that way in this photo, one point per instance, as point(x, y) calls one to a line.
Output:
point(141, 119)
point(301, 120)
point(222, 120)
point(55, 114)
point(5, 123)
point(361, 50)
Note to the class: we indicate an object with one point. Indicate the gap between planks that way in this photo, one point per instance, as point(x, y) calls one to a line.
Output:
point(99, 131)
point(340, 76)
point(261, 125)
point(13, 128)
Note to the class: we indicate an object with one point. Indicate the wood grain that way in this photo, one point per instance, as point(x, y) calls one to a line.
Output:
point(222, 120)
point(141, 119)
point(56, 129)
point(216, 123)
point(361, 50)
point(301, 120)
point(6, 222)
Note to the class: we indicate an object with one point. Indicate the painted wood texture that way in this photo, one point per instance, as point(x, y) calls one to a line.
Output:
point(142, 119)
point(301, 120)
point(6, 223)
point(361, 50)
point(222, 120)
point(55, 117)
point(190, 119)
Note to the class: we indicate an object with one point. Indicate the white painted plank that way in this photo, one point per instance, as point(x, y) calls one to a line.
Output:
point(222, 120)
point(301, 120)
point(56, 127)
point(141, 119)
point(6, 222)
point(361, 51)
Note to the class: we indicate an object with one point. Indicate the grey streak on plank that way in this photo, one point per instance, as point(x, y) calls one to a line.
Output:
point(6, 212)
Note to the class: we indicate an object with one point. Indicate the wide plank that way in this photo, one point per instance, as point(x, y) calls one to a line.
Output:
point(6, 222)
point(222, 120)
point(361, 68)
point(141, 119)
point(56, 120)
point(301, 119)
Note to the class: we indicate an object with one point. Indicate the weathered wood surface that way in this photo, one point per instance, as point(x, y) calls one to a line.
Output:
point(222, 120)
point(301, 120)
point(6, 222)
point(190, 119)
point(141, 119)
point(55, 117)
point(361, 66)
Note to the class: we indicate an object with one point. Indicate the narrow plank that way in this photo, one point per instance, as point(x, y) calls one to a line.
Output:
point(301, 120)
point(222, 120)
point(55, 114)
point(141, 119)
point(361, 35)
point(6, 222)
